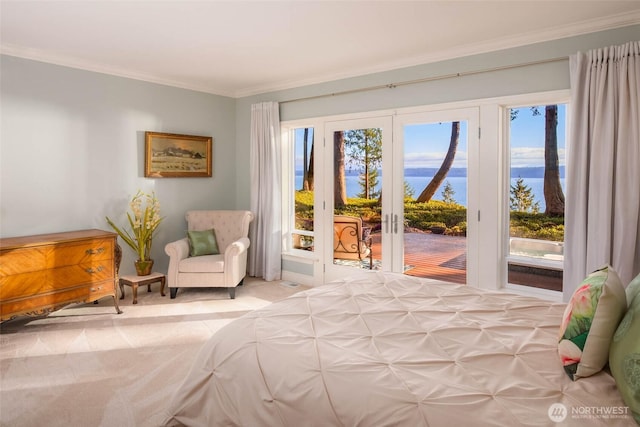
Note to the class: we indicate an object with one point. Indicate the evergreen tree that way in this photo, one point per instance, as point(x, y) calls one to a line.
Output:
point(522, 198)
point(363, 148)
point(409, 192)
point(448, 193)
point(369, 188)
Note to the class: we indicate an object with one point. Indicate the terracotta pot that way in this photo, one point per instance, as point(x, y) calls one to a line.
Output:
point(143, 267)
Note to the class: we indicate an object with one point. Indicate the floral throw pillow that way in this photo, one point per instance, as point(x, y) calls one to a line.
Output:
point(624, 356)
point(589, 322)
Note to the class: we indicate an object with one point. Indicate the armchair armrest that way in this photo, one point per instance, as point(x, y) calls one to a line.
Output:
point(235, 261)
point(236, 248)
point(177, 251)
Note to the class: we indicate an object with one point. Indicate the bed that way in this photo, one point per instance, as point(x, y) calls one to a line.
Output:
point(385, 349)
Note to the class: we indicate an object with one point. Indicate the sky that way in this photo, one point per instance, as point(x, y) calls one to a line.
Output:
point(426, 145)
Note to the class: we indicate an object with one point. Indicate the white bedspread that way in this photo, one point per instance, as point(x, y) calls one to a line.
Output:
point(390, 350)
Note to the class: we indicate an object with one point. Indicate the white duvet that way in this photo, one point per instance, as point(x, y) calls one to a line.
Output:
point(390, 350)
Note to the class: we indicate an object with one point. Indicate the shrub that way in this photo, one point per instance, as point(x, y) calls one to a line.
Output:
point(537, 226)
point(435, 213)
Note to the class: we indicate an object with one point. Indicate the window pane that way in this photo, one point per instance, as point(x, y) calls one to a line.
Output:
point(302, 237)
point(357, 187)
point(536, 195)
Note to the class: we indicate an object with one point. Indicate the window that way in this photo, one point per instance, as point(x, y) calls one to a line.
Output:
point(299, 195)
point(536, 195)
point(521, 249)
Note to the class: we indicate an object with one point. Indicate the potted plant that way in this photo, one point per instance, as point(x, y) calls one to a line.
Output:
point(143, 221)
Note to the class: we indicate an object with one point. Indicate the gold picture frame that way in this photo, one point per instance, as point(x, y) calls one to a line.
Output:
point(171, 155)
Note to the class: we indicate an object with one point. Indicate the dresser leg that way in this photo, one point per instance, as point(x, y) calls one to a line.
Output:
point(115, 303)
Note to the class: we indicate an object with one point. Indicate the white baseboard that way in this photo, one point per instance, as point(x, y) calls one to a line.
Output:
point(303, 279)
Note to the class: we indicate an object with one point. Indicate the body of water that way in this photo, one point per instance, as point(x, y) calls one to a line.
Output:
point(459, 185)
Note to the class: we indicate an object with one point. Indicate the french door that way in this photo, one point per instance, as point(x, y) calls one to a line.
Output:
point(375, 170)
point(358, 196)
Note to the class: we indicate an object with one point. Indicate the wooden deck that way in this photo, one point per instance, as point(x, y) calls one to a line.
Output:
point(445, 258)
point(431, 255)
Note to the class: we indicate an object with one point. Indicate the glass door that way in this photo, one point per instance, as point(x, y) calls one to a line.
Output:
point(433, 163)
point(356, 202)
point(399, 192)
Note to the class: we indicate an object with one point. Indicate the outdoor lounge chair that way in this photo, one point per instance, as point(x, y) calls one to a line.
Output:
point(351, 241)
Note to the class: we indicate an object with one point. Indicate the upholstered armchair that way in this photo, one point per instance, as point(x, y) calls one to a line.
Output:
point(210, 268)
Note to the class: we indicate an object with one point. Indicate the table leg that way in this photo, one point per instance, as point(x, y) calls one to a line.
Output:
point(134, 288)
point(121, 289)
point(162, 279)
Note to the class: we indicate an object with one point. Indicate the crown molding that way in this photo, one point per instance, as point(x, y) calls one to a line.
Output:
point(65, 61)
point(584, 27)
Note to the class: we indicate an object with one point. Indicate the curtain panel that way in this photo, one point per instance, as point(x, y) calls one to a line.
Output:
point(602, 218)
point(266, 192)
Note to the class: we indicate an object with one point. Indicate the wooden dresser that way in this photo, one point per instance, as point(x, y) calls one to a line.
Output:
point(40, 274)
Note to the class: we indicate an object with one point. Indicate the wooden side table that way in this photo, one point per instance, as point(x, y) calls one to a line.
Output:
point(135, 281)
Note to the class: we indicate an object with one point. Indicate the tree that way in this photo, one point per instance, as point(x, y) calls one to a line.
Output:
point(439, 177)
point(553, 195)
point(364, 150)
point(447, 193)
point(409, 192)
point(340, 186)
point(521, 198)
point(307, 175)
point(368, 183)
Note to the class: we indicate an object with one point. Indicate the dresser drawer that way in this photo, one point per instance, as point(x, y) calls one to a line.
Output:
point(45, 303)
point(16, 261)
point(87, 272)
point(24, 284)
point(25, 260)
point(102, 289)
point(78, 253)
point(45, 281)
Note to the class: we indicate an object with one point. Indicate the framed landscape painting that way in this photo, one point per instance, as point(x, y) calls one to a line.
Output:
point(174, 155)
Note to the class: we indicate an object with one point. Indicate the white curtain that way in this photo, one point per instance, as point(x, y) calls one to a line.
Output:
point(603, 182)
point(266, 230)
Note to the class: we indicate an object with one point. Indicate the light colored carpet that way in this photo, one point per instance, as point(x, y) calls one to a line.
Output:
point(85, 365)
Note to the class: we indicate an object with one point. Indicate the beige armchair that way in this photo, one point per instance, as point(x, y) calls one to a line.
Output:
point(350, 239)
point(226, 269)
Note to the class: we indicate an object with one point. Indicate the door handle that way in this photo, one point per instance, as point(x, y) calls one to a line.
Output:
point(386, 223)
point(395, 223)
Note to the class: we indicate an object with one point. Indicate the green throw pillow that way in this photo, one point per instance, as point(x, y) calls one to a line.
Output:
point(633, 289)
point(202, 243)
point(624, 355)
point(589, 322)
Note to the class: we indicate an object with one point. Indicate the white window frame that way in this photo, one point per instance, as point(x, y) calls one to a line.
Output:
point(288, 189)
point(522, 101)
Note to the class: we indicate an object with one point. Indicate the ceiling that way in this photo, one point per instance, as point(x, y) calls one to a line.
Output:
point(241, 48)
